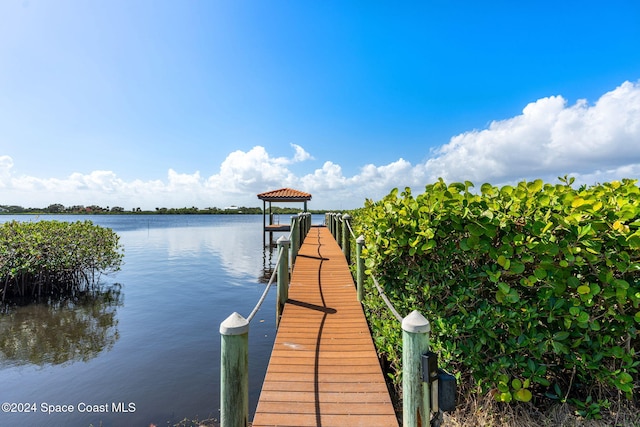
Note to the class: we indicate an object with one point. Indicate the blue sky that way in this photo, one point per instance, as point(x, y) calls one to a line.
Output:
point(207, 103)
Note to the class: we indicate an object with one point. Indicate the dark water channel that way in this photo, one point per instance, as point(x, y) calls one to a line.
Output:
point(147, 349)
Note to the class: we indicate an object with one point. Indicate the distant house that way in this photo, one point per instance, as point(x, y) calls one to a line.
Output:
point(231, 208)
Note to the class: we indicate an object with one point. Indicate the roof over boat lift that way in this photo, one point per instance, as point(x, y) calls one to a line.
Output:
point(284, 195)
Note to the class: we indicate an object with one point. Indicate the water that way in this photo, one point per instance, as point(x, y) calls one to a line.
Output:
point(150, 348)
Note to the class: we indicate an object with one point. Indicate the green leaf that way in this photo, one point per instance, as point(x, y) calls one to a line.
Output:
point(517, 267)
point(523, 395)
point(503, 262)
point(540, 273)
point(584, 289)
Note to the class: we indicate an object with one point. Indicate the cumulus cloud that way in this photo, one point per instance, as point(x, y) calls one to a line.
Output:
point(549, 138)
point(593, 142)
point(6, 163)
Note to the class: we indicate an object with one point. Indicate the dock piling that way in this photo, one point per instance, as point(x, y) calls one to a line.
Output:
point(283, 277)
point(359, 268)
point(234, 371)
point(416, 394)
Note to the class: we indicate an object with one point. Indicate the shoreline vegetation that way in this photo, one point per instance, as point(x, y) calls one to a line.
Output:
point(59, 209)
point(45, 259)
point(532, 292)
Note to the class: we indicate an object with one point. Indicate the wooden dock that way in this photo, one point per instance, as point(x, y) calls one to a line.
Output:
point(324, 370)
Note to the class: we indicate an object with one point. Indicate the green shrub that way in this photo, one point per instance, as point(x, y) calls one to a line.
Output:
point(531, 290)
point(50, 257)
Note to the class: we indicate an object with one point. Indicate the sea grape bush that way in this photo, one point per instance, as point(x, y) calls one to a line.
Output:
point(532, 290)
point(50, 257)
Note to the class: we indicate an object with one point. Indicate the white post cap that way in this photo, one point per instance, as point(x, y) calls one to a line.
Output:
point(416, 323)
point(234, 325)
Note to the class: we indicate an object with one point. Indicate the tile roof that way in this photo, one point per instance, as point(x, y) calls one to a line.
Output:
point(285, 194)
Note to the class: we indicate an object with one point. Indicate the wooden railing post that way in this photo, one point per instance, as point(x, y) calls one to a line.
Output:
point(346, 237)
point(339, 229)
point(295, 238)
point(283, 277)
point(416, 409)
point(333, 224)
point(359, 268)
point(234, 372)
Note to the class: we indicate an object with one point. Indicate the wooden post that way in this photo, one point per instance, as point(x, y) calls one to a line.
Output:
point(295, 238)
point(332, 224)
point(234, 372)
point(303, 226)
point(283, 277)
point(346, 238)
point(416, 408)
point(339, 229)
point(360, 268)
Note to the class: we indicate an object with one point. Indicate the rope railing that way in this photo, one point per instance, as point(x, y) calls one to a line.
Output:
point(234, 331)
point(266, 290)
point(386, 300)
point(418, 401)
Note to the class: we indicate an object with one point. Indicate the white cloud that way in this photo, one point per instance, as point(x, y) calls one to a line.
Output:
point(548, 139)
point(6, 163)
point(301, 154)
point(594, 143)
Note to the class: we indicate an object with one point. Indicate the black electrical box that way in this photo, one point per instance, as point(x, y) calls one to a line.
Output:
point(429, 367)
point(446, 391)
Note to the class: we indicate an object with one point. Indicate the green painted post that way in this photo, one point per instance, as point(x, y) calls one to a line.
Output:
point(305, 224)
point(331, 225)
point(333, 222)
point(346, 237)
point(234, 372)
point(283, 277)
point(295, 238)
point(416, 403)
point(360, 268)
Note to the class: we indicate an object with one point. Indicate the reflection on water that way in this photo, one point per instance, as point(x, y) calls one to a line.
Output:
point(182, 275)
point(56, 332)
point(269, 258)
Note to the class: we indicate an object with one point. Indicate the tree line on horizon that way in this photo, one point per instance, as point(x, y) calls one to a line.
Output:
point(58, 208)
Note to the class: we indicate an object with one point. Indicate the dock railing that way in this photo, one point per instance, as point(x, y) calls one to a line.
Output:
point(419, 374)
point(234, 331)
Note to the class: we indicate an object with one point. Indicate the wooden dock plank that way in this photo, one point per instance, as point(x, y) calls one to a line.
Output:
point(323, 370)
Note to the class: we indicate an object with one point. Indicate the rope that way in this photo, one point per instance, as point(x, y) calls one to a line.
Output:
point(351, 230)
point(295, 224)
point(266, 290)
point(273, 275)
point(386, 300)
point(378, 287)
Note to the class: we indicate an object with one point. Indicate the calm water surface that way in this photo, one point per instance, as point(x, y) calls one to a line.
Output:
point(151, 345)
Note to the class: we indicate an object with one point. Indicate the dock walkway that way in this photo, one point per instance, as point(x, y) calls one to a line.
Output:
point(324, 370)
